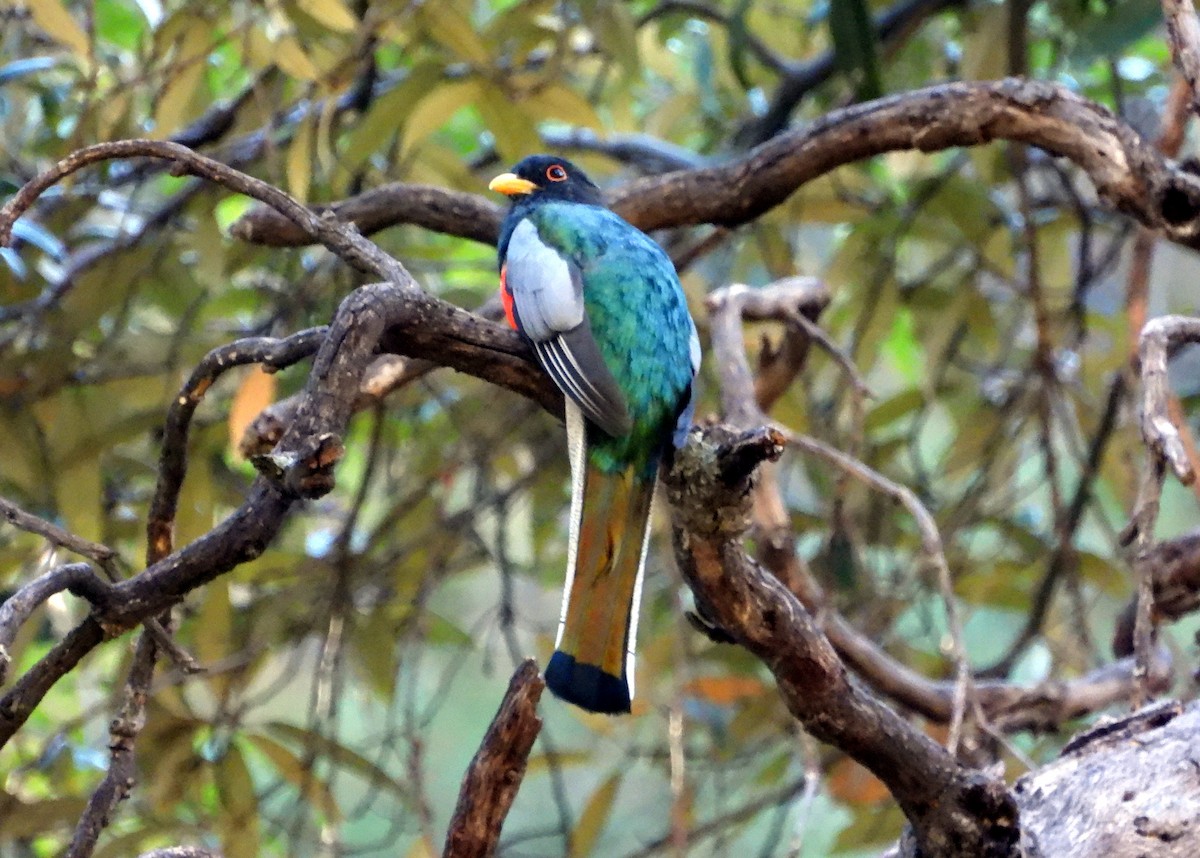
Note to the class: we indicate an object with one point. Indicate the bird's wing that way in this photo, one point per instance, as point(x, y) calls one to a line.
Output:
point(546, 293)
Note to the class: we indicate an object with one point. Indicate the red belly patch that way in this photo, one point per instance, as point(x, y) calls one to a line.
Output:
point(506, 298)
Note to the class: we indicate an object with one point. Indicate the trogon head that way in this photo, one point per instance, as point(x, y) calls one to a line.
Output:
point(547, 177)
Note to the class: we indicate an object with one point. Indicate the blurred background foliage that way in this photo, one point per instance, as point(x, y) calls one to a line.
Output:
point(353, 667)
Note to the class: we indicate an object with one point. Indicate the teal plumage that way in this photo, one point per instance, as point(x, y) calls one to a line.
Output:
point(632, 297)
point(602, 306)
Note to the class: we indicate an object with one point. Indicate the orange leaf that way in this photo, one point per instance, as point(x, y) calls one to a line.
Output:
point(724, 690)
point(255, 393)
point(850, 782)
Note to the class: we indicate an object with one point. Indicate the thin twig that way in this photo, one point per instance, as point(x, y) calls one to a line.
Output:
point(340, 238)
point(1167, 449)
point(935, 556)
point(727, 307)
point(273, 354)
point(105, 558)
point(861, 389)
point(78, 578)
point(122, 767)
point(102, 555)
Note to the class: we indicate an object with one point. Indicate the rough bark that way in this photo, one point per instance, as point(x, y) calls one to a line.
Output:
point(1127, 789)
point(1129, 173)
point(495, 774)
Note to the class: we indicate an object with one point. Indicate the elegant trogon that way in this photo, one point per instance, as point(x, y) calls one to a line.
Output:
point(601, 305)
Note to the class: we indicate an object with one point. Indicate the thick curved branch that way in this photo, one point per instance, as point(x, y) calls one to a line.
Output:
point(386, 374)
point(953, 810)
point(402, 319)
point(1129, 174)
point(441, 210)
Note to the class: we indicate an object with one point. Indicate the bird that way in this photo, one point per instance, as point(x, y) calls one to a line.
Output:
point(602, 306)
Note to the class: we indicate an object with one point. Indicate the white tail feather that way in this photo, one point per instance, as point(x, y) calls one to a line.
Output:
point(576, 450)
point(635, 607)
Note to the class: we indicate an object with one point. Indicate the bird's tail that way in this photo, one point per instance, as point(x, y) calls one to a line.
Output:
point(592, 665)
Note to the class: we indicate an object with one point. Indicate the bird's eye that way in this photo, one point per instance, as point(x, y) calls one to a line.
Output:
point(556, 173)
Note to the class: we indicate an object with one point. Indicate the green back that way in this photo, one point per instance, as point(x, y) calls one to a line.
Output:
point(640, 321)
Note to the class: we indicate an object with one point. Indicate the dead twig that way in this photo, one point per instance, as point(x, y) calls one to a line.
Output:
point(495, 773)
point(77, 578)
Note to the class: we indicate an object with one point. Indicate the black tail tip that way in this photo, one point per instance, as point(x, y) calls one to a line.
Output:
point(586, 685)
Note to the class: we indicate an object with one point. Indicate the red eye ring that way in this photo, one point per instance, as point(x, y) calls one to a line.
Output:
point(556, 173)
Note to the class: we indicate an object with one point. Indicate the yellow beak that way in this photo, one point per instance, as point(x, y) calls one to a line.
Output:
point(511, 184)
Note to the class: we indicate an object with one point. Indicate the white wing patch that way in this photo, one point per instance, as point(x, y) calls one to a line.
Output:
point(547, 292)
point(549, 295)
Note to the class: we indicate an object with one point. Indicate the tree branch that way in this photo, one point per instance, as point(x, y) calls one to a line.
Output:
point(341, 239)
point(1129, 174)
point(78, 578)
point(122, 767)
point(802, 78)
point(102, 555)
point(1183, 35)
point(273, 354)
point(496, 772)
point(1174, 567)
point(953, 810)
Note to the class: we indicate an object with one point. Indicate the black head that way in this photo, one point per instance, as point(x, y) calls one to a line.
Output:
point(547, 177)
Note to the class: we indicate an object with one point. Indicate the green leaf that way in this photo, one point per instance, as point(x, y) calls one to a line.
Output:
point(511, 124)
point(1100, 36)
point(53, 17)
point(239, 805)
point(565, 105)
point(435, 110)
point(300, 159)
point(229, 210)
point(854, 44)
point(20, 819)
point(345, 757)
point(616, 32)
point(893, 408)
point(330, 13)
point(594, 817)
point(452, 29)
point(213, 629)
point(174, 105)
point(388, 113)
point(299, 774)
point(739, 35)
